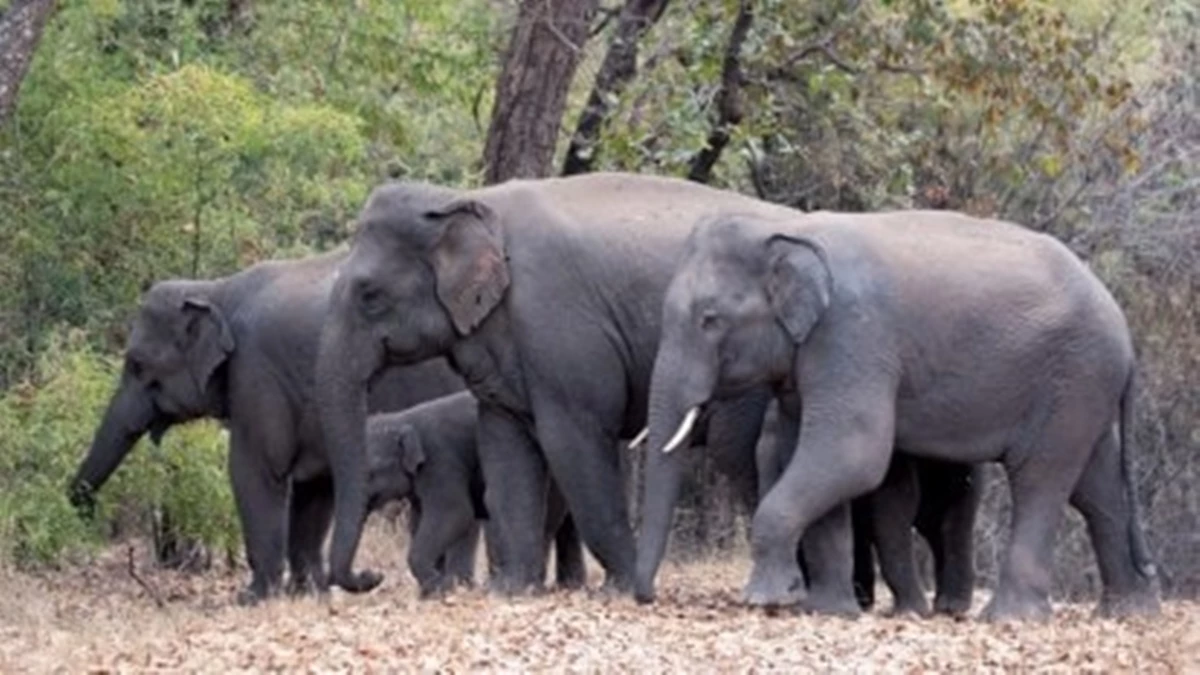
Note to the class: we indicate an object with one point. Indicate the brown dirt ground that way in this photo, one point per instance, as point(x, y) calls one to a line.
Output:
point(97, 618)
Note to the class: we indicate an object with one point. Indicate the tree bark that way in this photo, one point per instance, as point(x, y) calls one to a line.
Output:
point(21, 29)
point(729, 97)
point(531, 92)
point(619, 69)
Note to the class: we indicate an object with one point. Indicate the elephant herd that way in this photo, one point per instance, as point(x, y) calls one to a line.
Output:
point(485, 353)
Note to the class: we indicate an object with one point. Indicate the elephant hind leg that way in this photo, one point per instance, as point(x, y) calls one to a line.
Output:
point(458, 563)
point(570, 571)
point(1103, 500)
point(893, 511)
point(310, 514)
point(1041, 475)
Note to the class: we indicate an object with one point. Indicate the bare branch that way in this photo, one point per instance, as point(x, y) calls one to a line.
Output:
point(150, 590)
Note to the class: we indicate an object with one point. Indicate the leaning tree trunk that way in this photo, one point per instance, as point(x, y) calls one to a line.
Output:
point(531, 92)
point(21, 27)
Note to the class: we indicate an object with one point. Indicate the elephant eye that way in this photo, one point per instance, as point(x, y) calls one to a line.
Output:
point(371, 300)
point(710, 321)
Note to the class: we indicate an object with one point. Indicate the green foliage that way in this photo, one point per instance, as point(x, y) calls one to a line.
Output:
point(46, 425)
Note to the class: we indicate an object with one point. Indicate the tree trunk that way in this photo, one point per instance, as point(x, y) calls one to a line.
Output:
point(21, 29)
point(729, 99)
point(531, 92)
point(619, 69)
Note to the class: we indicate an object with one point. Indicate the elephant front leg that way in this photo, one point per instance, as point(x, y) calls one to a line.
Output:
point(261, 499)
point(514, 474)
point(841, 454)
point(311, 513)
point(437, 535)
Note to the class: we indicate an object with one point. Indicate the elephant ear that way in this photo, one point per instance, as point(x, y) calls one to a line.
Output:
point(412, 452)
point(469, 261)
point(209, 340)
point(799, 283)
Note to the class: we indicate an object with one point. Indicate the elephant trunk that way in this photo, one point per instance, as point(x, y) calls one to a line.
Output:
point(129, 415)
point(342, 374)
point(674, 407)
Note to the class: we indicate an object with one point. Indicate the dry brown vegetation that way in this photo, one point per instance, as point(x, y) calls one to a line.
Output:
point(97, 617)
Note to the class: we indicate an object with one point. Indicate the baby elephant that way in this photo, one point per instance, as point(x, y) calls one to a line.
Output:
point(427, 455)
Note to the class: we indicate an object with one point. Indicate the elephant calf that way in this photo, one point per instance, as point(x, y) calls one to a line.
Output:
point(428, 455)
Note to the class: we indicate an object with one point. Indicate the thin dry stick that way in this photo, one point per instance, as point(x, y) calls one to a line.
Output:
point(143, 583)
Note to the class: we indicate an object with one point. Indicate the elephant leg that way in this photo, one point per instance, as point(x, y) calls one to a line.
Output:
point(459, 561)
point(842, 453)
point(514, 473)
point(733, 434)
point(828, 552)
point(584, 462)
point(1041, 476)
point(893, 510)
point(864, 553)
point(950, 495)
point(1103, 499)
point(311, 513)
point(262, 504)
point(570, 571)
point(431, 554)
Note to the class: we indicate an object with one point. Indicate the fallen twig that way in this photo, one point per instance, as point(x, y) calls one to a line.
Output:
point(143, 583)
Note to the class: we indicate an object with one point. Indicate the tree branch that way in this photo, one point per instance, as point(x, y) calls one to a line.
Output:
point(729, 98)
point(618, 70)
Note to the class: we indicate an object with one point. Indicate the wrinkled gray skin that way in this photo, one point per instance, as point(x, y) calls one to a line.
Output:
point(546, 297)
point(938, 498)
point(242, 349)
point(951, 337)
point(428, 456)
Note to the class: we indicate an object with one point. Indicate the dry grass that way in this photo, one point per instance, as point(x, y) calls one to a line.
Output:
point(98, 618)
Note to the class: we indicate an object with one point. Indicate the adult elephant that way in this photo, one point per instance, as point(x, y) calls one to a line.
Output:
point(242, 349)
point(546, 296)
point(936, 498)
point(952, 337)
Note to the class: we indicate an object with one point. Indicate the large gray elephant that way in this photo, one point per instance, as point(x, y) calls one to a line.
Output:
point(546, 297)
point(427, 455)
point(242, 349)
point(939, 499)
point(952, 337)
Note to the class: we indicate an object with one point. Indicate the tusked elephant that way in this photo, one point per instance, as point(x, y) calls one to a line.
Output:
point(427, 455)
point(546, 296)
point(939, 499)
point(242, 349)
point(952, 337)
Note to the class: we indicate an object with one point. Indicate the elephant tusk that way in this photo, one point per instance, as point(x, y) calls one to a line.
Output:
point(640, 438)
point(685, 428)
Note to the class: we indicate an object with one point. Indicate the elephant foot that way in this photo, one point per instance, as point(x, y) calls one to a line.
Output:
point(841, 605)
point(307, 584)
point(775, 587)
point(362, 582)
point(865, 595)
point(617, 584)
point(1143, 602)
point(571, 580)
point(909, 604)
point(512, 587)
point(1009, 605)
point(956, 606)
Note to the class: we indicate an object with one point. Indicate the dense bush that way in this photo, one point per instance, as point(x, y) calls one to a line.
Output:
point(46, 425)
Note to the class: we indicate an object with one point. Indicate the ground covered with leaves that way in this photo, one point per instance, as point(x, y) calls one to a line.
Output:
point(101, 617)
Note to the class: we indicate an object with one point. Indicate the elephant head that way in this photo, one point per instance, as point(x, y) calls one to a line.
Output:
point(394, 456)
point(180, 340)
point(427, 266)
point(741, 301)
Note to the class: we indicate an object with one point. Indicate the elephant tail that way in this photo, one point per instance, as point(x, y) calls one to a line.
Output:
point(1137, 538)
